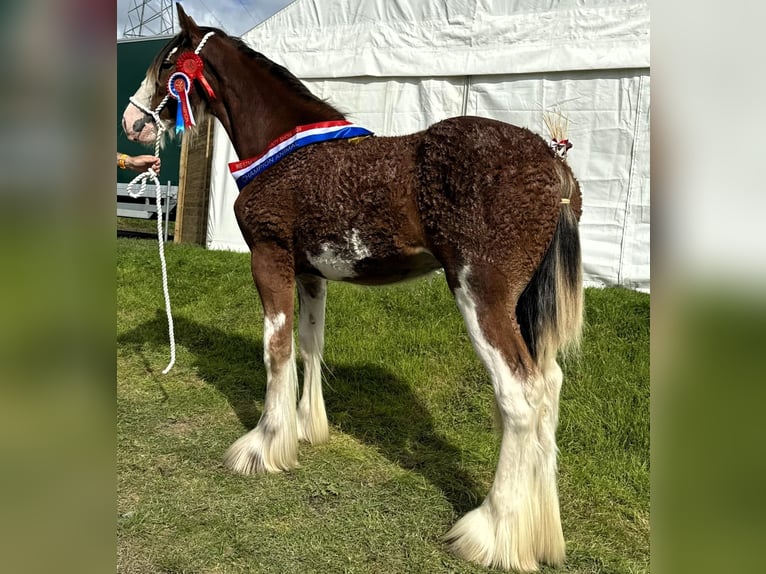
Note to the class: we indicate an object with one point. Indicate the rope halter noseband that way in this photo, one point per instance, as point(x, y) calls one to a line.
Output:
point(196, 73)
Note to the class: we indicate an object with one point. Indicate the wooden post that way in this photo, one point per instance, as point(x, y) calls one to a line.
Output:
point(194, 185)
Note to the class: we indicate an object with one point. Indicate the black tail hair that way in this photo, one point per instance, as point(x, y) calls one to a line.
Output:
point(550, 309)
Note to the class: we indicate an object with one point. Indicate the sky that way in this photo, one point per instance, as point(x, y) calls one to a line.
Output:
point(235, 17)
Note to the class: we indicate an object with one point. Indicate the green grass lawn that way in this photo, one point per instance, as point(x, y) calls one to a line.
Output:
point(144, 226)
point(412, 443)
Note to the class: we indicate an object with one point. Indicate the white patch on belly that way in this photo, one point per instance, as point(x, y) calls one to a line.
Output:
point(336, 262)
point(331, 264)
point(358, 248)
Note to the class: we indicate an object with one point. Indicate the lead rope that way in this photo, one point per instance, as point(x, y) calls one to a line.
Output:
point(143, 178)
point(151, 174)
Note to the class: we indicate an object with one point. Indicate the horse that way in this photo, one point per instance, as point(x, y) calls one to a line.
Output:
point(491, 204)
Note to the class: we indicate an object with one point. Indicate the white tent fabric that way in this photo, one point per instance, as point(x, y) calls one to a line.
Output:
point(397, 66)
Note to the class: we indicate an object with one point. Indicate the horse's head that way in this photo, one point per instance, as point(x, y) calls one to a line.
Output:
point(138, 123)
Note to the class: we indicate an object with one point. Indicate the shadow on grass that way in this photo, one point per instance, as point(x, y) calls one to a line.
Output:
point(367, 401)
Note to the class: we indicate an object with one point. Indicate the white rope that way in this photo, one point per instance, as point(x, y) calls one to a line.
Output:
point(143, 178)
point(202, 42)
point(151, 174)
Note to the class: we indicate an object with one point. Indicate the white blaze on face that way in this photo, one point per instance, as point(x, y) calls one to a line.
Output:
point(135, 121)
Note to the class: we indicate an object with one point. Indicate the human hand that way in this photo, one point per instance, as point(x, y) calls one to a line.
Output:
point(143, 162)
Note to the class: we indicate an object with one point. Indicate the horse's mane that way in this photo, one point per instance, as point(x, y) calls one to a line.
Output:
point(275, 70)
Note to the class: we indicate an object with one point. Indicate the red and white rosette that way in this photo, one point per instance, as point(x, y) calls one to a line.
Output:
point(179, 85)
point(191, 64)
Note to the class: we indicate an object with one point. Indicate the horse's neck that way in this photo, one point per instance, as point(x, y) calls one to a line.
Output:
point(255, 107)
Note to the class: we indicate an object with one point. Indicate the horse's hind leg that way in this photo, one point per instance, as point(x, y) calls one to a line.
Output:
point(550, 540)
point(272, 445)
point(312, 417)
point(507, 529)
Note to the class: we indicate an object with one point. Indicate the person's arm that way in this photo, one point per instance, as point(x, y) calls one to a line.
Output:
point(138, 163)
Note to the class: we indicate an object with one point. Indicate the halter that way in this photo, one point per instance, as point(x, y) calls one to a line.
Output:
point(151, 174)
point(184, 72)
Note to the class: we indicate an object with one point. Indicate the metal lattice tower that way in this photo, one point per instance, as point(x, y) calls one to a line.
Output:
point(149, 18)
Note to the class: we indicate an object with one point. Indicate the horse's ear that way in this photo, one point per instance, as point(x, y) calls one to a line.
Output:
point(185, 21)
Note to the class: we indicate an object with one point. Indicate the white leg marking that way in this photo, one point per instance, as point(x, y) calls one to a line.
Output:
point(270, 327)
point(272, 445)
point(504, 530)
point(312, 417)
point(550, 541)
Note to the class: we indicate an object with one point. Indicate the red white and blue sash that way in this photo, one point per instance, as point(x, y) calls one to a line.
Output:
point(244, 171)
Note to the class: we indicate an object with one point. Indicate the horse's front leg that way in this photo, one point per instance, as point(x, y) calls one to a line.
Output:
point(272, 446)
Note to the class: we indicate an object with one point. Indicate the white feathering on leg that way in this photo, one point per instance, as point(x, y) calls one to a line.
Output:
point(272, 446)
point(517, 524)
point(312, 416)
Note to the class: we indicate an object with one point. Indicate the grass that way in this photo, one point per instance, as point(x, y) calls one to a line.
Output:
point(412, 442)
point(148, 227)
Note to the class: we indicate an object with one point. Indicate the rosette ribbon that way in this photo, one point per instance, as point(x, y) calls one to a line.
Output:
point(179, 85)
point(191, 64)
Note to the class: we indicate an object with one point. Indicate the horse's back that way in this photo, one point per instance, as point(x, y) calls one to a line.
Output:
point(470, 153)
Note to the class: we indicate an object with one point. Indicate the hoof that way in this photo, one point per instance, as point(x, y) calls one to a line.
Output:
point(313, 430)
point(260, 451)
point(494, 543)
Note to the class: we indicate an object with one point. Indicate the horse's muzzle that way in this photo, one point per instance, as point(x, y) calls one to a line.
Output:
point(138, 125)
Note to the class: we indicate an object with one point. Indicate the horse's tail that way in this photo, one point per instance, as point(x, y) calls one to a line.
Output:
point(550, 310)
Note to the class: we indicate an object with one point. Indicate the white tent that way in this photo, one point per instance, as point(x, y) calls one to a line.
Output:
point(397, 66)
